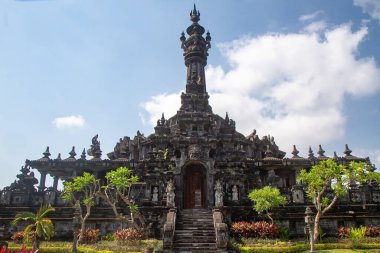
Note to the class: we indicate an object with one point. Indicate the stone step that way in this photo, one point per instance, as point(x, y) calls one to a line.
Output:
point(194, 245)
point(201, 219)
point(193, 226)
point(190, 235)
point(191, 240)
point(200, 250)
point(194, 230)
point(196, 233)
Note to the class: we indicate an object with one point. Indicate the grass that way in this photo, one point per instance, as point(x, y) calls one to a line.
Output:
point(272, 246)
point(347, 251)
point(101, 246)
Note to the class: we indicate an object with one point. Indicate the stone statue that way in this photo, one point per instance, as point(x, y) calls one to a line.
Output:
point(218, 194)
point(170, 194)
point(272, 178)
point(95, 148)
point(50, 195)
point(155, 194)
point(235, 193)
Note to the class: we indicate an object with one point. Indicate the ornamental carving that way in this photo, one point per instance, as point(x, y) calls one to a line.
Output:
point(195, 152)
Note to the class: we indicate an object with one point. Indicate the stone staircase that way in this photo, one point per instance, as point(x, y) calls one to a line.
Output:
point(194, 232)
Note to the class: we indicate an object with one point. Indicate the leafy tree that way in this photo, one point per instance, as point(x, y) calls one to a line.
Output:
point(119, 184)
point(265, 199)
point(81, 192)
point(328, 177)
point(39, 226)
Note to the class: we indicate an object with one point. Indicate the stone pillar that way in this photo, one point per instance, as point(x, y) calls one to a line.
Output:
point(41, 188)
point(55, 183)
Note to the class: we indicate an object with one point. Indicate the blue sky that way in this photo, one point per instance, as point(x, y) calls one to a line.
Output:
point(306, 72)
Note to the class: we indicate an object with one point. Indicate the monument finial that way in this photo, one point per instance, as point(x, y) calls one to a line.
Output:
point(194, 15)
point(46, 153)
point(295, 152)
point(311, 153)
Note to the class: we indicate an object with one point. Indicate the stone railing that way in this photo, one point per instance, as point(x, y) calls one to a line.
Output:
point(169, 228)
point(221, 231)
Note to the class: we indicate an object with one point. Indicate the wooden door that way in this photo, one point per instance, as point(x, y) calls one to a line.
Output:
point(194, 182)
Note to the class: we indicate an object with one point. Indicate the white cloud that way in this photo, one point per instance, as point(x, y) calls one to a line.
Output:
point(162, 103)
point(372, 7)
point(316, 26)
point(291, 86)
point(69, 122)
point(308, 17)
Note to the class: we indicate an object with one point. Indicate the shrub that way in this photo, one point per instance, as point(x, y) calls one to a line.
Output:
point(108, 237)
point(259, 229)
point(372, 231)
point(242, 229)
point(22, 250)
point(18, 237)
point(129, 234)
point(89, 236)
point(356, 234)
point(343, 232)
point(283, 232)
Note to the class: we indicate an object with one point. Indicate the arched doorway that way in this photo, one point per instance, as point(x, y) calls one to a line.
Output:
point(194, 188)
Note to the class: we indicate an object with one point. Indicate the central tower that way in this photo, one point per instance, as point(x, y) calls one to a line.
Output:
point(195, 48)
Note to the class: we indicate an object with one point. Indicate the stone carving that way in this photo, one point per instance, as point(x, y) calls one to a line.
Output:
point(195, 152)
point(155, 194)
point(220, 229)
point(169, 228)
point(218, 194)
point(235, 193)
point(121, 149)
point(298, 195)
point(50, 195)
point(356, 197)
point(6, 195)
point(95, 148)
point(170, 194)
point(376, 197)
point(273, 179)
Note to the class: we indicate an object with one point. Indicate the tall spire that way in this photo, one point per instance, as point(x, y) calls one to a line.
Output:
point(195, 48)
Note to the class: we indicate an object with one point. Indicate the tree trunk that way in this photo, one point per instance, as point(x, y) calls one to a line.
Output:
point(36, 244)
point(316, 225)
point(270, 217)
point(82, 228)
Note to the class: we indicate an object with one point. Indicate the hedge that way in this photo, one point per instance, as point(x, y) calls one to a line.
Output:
point(68, 250)
point(303, 247)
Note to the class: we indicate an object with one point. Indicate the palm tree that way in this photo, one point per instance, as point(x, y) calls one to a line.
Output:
point(38, 227)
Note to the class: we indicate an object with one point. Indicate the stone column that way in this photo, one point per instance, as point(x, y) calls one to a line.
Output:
point(41, 188)
point(55, 183)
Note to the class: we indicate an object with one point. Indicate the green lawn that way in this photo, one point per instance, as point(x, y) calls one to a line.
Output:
point(347, 251)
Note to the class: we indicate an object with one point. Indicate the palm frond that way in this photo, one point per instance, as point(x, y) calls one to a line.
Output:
point(27, 230)
point(40, 229)
point(47, 228)
point(45, 209)
point(24, 216)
